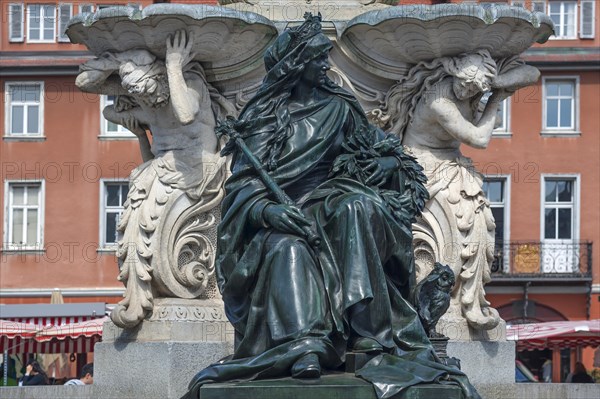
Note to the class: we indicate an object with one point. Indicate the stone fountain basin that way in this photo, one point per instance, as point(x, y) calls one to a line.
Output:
point(227, 42)
point(393, 39)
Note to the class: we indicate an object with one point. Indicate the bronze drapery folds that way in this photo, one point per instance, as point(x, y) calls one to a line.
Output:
point(299, 308)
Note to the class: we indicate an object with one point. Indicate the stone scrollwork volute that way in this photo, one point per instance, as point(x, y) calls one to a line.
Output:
point(434, 109)
point(167, 232)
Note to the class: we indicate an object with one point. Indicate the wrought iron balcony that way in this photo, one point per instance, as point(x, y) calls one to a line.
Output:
point(543, 260)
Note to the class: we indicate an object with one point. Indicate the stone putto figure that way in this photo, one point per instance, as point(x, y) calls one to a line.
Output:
point(164, 246)
point(433, 110)
point(298, 305)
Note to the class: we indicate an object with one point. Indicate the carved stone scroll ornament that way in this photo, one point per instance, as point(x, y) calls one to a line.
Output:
point(152, 61)
point(467, 50)
point(434, 110)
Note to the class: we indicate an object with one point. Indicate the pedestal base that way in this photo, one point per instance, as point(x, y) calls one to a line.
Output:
point(333, 386)
point(485, 362)
point(158, 358)
point(457, 329)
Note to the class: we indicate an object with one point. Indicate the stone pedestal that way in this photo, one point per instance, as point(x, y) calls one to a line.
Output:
point(485, 362)
point(158, 358)
point(457, 329)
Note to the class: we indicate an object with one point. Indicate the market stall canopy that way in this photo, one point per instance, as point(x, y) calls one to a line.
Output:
point(66, 328)
point(390, 41)
point(227, 42)
point(555, 334)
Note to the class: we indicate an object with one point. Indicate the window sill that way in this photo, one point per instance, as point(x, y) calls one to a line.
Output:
point(117, 137)
point(563, 38)
point(24, 138)
point(107, 249)
point(40, 41)
point(560, 133)
point(501, 135)
point(17, 251)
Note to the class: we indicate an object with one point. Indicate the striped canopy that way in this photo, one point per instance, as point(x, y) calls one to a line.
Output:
point(50, 334)
point(555, 334)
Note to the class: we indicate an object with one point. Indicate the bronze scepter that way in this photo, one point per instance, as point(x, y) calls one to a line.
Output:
point(226, 128)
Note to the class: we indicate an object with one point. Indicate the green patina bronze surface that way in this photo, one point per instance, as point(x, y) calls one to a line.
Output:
point(358, 192)
point(335, 386)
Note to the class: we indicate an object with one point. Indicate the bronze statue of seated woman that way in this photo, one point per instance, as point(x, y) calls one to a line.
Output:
point(298, 304)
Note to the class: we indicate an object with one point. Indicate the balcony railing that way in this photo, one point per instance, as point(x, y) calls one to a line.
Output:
point(520, 259)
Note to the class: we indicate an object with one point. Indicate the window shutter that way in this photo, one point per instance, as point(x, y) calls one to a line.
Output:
point(15, 22)
point(588, 10)
point(65, 12)
point(539, 6)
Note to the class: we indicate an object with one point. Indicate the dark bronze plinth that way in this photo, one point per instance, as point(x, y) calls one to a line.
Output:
point(332, 386)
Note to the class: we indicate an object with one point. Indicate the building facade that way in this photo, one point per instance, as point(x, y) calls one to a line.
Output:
point(65, 169)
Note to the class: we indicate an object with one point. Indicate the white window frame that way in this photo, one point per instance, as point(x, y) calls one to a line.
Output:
point(120, 133)
point(103, 210)
point(8, 210)
point(42, 18)
point(576, 178)
point(505, 129)
point(8, 111)
point(11, 21)
point(506, 236)
point(568, 131)
point(61, 35)
point(592, 33)
point(557, 249)
point(560, 35)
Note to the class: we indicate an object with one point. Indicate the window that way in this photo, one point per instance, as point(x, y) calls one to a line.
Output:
point(114, 194)
point(41, 23)
point(564, 16)
point(24, 109)
point(518, 3)
point(560, 106)
point(559, 197)
point(496, 191)
point(65, 12)
point(24, 216)
point(110, 128)
point(559, 224)
point(15, 22)
point(588, 17)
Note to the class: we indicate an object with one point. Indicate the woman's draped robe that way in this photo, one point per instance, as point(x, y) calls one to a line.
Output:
point(286, 299)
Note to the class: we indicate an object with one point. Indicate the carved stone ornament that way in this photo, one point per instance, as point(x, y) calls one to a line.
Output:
point(447, 57)
point(392, 40)
point(158, 63)
point(229, 42)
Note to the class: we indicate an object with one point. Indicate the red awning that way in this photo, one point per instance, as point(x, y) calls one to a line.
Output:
point(555, 334)
point(50, 335)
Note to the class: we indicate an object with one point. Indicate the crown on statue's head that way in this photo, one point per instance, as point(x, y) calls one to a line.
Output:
point(310, 28)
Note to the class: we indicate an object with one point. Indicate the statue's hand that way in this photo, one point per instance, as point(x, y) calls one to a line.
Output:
point(133, 125)
point(179, 50)
point(380, 170)
point(285, 218)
